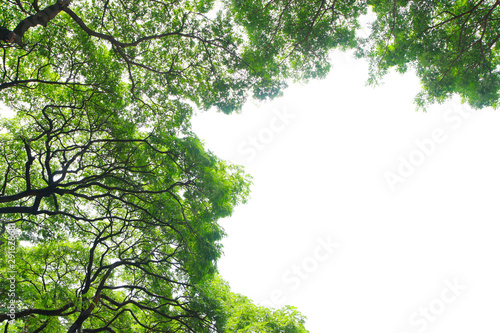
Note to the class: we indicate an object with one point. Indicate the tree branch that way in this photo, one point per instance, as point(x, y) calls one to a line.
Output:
point(111, 39)
point(42, 17)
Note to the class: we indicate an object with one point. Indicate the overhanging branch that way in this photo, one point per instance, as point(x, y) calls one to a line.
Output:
point(42, 17)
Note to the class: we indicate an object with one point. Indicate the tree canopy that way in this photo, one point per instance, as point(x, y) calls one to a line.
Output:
point(218, 54)
point(167, 51)
point(453, 45)
point(236, 313)
point(113, 199)
point(118, 223)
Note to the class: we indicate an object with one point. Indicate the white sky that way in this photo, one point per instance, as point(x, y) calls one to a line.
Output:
point(421, 256)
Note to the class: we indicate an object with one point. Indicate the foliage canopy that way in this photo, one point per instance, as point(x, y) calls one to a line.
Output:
point(116, 201)
point(453, 45)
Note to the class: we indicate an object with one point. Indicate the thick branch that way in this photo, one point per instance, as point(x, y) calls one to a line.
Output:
point(111, 39)
point(42, 17)
point(43, 312)
point(6, 35)
point(10, 84)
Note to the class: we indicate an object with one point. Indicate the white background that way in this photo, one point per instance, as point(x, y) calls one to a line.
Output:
point(321, 175)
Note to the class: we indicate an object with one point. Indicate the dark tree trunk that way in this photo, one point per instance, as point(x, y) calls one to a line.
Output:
point(6, 35)
point(42, 17)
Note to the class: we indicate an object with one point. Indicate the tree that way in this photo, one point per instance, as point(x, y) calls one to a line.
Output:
point(220, 55)
point(175, 50)
point(115, 199)
point(453, 45)
point(236, 313)
point(118, 225)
